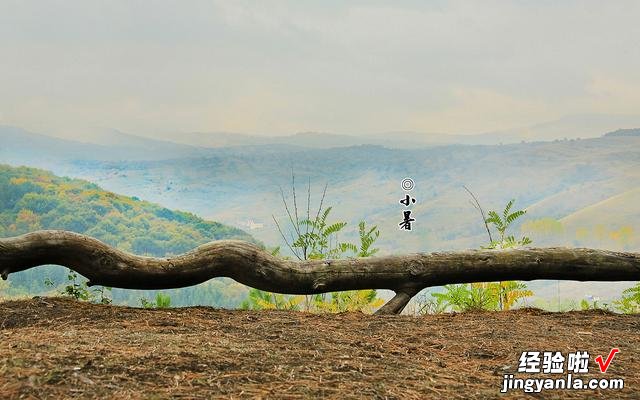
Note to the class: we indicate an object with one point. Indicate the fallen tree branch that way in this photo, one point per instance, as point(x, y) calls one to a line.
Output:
point(248, 264)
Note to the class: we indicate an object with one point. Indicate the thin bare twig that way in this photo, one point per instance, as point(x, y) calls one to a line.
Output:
point(479, 208)
point(285, 238)
point(286, 207)
point(295, 201)
point(295, 222)
point(324, 192)
point(484, 219)
point(308, 215)
point(295, 208)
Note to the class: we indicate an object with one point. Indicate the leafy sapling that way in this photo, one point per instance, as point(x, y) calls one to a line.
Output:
point(312, 236)
point(629, 303)
point(501, 224)
point(75, 289)
point(492, 295)
point(162, 301)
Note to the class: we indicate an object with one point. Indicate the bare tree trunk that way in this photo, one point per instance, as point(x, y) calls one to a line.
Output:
point(252, 266)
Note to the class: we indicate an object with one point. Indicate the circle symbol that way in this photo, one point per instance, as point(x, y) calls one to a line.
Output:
point(408, 184)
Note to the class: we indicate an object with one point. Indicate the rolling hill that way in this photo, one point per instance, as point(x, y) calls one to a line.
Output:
point(624, 132)
point(32, 199)
point(619, 210)
point(22, 147)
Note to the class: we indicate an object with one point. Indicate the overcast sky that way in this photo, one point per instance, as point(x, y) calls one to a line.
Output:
point(332, 66)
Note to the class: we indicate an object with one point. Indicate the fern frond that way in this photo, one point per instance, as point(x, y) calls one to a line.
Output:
point(513, 216)
point(307, 222)
point(494, 219)
point(508, 208)
point(361, 228)
point(334, 228)
point(325, 214)
point(370, 253)
point(344, 247)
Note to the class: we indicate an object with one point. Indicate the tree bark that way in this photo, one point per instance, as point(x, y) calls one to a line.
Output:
point(252, 266)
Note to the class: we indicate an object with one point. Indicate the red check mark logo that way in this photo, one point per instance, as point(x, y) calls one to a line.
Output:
point(604, 365)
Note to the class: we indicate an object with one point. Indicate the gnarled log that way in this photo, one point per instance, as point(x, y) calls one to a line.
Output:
point(252, 266)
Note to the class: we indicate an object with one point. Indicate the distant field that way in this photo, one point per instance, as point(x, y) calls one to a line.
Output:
point(618, 210)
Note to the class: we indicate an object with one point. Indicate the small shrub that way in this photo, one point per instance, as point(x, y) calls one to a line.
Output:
point(629, 303)
point(75, 289)
point(163, 300)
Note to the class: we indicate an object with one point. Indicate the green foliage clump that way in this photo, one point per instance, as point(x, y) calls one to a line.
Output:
point(367, 239)
point(350, 300)
point(321, 245)
point(471, 297)
point(261, 300)
point(161, 301)
point(629, 303)
point(501, 224)
point(75, 289)
point(317, 239)
point(593, 303)
point(78, 289)
point(483, 296)
point(315, 243)
point(486, 295)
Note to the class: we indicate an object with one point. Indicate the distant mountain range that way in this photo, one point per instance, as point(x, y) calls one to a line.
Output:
point(112, 144)
point(570, 127)
point(18, 144)
point(624, 132)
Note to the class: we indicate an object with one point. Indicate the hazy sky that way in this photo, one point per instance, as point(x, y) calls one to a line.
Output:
point(333, 66)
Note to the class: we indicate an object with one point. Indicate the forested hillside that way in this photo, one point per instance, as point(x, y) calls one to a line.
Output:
point(32, 199)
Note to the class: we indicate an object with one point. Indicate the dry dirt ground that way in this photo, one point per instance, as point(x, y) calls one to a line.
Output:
point(58, 348)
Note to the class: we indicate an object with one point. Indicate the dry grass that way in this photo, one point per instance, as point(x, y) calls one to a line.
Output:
point(58, 348)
